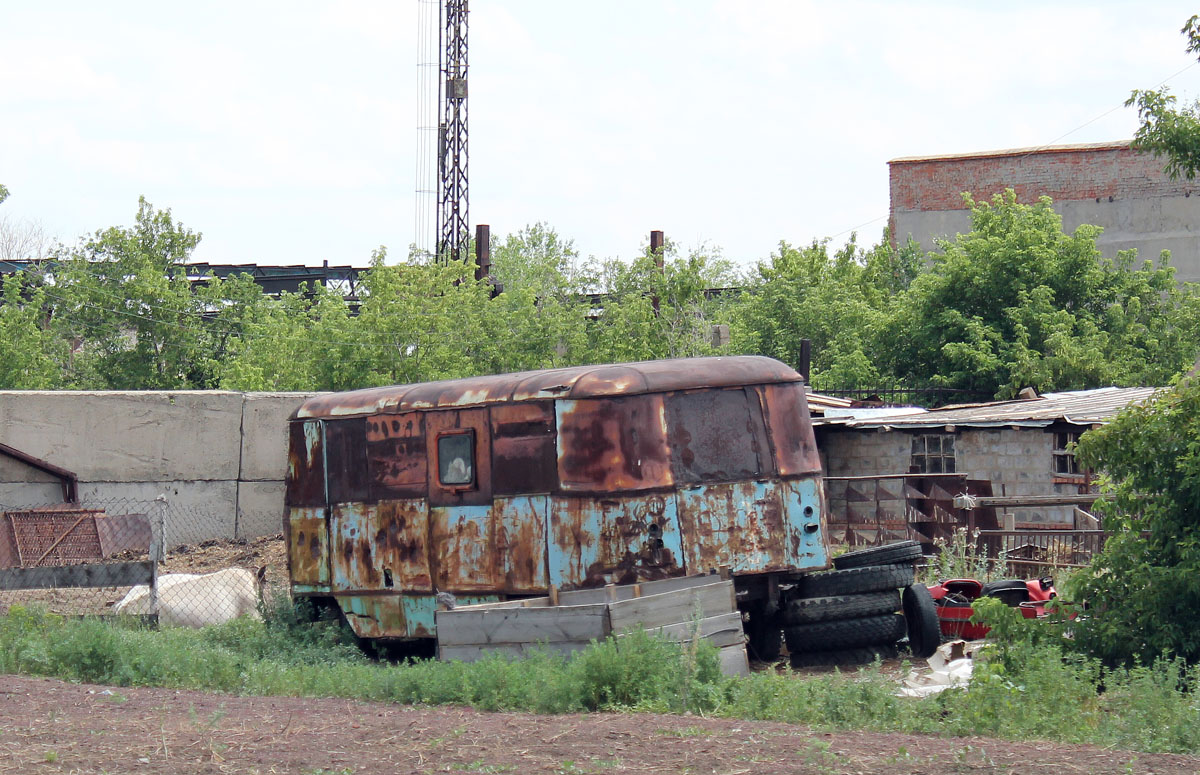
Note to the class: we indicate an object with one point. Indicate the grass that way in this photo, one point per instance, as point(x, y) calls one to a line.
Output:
point(1030, 688)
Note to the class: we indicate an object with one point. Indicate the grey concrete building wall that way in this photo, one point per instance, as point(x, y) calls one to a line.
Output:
point(219, 457)
point(1107, 185)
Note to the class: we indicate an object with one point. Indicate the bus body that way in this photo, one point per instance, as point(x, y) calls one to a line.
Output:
point(499, 487)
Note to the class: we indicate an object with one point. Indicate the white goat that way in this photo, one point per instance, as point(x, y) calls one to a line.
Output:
point(189, 600)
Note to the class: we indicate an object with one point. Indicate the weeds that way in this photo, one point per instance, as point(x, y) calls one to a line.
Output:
point(1028, 674)
point(962, 557)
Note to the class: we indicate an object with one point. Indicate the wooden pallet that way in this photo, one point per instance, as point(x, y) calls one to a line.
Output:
point(680, 609)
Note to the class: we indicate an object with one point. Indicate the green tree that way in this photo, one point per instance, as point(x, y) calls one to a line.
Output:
point(1143, 590)
point(1016, 302)
point(30, 352)
point(125, 297)
point(647, 312)
point(1168, 130)
point(540, 317)
point(836, 301)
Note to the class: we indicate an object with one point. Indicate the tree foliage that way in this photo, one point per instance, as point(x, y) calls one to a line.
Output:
point(1016, 302)
point(1168, 130)
point(1144, 588)
point(838, 302)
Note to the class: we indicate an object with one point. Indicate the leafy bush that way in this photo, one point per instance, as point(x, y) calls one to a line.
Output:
point(1143, 590)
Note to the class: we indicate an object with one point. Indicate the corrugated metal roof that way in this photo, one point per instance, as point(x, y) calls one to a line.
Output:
point(575, 382)
point(1080, 407)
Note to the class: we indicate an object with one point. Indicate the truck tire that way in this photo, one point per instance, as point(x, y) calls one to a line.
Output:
point(924, 629)
point(853, 581)
point(843, 657)
point(844, 633)
point(823, 609)
point(901, 551)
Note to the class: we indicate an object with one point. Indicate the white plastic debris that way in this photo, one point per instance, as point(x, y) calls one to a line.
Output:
point(950, 666)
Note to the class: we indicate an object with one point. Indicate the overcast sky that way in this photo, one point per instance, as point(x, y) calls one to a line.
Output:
point(285, 132)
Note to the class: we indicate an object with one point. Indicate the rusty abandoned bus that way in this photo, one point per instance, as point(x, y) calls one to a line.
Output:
point(495, 488)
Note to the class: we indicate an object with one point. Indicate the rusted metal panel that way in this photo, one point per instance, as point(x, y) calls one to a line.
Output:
point(308, 547)
point(741, 524)
point(61, 536)
point(306, 464)
point(613, 540)
point(346, 459)
point(523, 448)
point(713, 436)
point(396, 456)
point(438, 426)
point(804, 507)
point(517, 541)
point(791, 430)
point(462, 557)
point(122, 533)
point(577, 382)
point(380, 546)
point(375, 616)
point(613, 445)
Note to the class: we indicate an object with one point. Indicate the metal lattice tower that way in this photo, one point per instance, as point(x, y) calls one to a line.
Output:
point(454, 229)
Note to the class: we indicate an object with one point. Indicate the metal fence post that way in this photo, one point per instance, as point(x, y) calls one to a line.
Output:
point(158, 544)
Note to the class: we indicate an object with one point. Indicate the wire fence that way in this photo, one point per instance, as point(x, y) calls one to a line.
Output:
point(168, 562)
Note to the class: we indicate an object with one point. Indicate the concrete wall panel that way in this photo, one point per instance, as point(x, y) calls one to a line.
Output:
point(127, 436)
point(260, 509)
point(264, 433)
point(219, 457)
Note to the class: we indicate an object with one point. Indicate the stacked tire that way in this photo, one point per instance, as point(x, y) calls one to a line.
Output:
point(861, 610)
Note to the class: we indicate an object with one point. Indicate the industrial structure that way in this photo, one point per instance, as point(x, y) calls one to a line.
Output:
point(442, 212)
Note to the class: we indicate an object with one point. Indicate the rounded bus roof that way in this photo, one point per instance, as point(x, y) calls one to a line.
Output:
point(617, 379)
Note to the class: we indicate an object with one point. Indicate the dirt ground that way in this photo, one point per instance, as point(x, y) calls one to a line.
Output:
point(49, 726)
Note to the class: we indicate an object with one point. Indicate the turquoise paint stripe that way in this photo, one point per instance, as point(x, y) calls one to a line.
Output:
point(802, 504)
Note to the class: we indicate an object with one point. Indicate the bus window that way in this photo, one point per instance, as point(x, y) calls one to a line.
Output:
point(456, 459)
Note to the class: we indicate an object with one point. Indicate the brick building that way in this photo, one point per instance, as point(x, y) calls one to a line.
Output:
point(1105, 184)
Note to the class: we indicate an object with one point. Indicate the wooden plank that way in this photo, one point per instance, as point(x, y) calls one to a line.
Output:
point(673, 607)
point(734, 662)
point(527, 602)
point(468, 626)
point(722, 630)
point(1014, 501)
point(631, 591)
point(511, 650)
point(114, 574)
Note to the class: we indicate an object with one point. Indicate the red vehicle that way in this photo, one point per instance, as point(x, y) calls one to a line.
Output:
point(954, 599)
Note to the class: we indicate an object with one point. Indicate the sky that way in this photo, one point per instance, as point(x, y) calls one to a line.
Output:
point(286, 132)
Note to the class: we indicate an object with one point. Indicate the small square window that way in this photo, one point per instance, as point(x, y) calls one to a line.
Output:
point(933, 453)
point(456, 458)
point(1064, 453)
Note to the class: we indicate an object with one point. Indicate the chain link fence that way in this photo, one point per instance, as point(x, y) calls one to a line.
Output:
point(168, 562)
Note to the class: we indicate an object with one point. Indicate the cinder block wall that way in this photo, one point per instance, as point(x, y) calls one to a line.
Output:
point(1108, 185)
point(219, 457)
point(1016, 461)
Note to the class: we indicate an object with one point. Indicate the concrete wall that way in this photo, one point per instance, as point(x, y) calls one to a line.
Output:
point(219, 457)
point(1018, 461)
point(1108, 185)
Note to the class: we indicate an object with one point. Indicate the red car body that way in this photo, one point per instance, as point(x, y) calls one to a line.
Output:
point(955, 598)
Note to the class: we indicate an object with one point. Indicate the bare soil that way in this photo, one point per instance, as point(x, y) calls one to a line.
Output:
point(49, 726)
